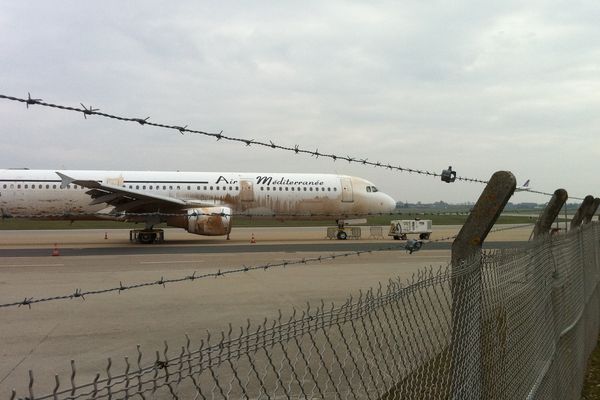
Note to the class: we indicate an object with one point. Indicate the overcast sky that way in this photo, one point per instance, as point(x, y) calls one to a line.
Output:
point(482, 86)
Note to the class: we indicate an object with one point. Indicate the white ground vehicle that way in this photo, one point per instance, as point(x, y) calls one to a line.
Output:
point(400, 228)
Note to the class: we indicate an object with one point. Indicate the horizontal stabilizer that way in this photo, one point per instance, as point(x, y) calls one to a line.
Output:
point(66, 180)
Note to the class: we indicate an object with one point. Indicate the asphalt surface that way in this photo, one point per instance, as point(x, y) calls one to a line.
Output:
point(47, 336)
point(165, 248)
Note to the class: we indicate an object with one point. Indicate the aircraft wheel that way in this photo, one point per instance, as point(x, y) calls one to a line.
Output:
point(403, 236)
point(424, 236)
point(341, 235)
point(396, 237)
point(147, 237)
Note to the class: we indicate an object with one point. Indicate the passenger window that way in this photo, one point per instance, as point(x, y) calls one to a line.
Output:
point(230, 187)
point(178, 187)
point(292, 188)
point(217, 188)
point(144, 187)
point(53, 186)
point(12, 186)
point(170, 187)
point(137, 186)
point(26, 186)
point(305, 189)
point(211, 188)
point(286, 188)
point(18, 186)
point(204, 187)
point(189, 188)
point(368, 189)
point(262, 188)
point(311, 188)
point(322, 189)
point(335, 189)
point(280, 188)
point(4, 186)
point(268, 188)
point(237, 188)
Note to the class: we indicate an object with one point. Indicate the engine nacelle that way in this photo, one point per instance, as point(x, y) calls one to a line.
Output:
point(209, 221)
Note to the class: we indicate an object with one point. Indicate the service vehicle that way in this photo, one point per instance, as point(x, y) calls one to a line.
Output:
point(400, 228)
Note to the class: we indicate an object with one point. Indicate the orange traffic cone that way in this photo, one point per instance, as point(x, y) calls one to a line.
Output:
point(55, 252)
point(252, 240)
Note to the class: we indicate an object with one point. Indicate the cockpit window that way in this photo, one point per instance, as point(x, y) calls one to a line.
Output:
point(374, 189)
point(368, 189)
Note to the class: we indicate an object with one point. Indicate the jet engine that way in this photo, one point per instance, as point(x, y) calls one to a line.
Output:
point(209, 221)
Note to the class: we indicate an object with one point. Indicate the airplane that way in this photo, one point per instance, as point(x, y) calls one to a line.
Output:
point(202, 203)
point(524, 187)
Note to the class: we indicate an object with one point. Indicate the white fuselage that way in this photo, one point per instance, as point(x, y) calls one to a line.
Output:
point(38, 193)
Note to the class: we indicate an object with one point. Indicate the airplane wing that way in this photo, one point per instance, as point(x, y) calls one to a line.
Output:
point(128, 200)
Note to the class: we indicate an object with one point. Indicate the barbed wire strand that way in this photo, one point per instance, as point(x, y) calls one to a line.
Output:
point(78, 293)
point(88, 111)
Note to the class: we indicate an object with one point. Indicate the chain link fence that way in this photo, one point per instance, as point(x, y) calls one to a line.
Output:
point(530, 319)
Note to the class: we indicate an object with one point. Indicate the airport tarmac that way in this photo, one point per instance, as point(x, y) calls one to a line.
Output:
point(46, 337)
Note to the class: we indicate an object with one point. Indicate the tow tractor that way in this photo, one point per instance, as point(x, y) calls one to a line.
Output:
point(401, 228)
point(344, 231)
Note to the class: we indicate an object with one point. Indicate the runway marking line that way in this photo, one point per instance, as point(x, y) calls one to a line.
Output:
point(170, 262)
point(32, 265)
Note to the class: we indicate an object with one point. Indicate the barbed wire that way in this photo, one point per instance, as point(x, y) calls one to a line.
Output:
point(78, 293)
point(85, 111)
point(544, 193)
point(183, 129)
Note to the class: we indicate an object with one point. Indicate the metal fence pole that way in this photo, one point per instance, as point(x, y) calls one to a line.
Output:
point(467, 374)
point(587, 218)
point(544, 222)
point(587, 203)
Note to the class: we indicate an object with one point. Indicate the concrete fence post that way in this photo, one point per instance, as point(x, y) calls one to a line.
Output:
point(544, 222)
point(582, 211)
point(467, 352)
point(587, 218)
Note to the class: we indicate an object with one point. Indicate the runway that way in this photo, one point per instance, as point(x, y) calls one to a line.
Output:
point(46, 337)
point(166, 249)
point(269, 240)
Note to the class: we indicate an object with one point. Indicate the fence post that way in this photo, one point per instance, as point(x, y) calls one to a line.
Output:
point(587, 218)
point(467, 374)
point(544, 222)
point(587, 203)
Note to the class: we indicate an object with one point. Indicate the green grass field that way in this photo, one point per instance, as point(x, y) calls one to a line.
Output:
point(23, 224)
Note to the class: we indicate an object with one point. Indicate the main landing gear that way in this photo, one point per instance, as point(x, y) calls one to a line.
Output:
point(147, 236)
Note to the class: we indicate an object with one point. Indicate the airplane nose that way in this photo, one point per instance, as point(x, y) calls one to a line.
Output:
point(388, 204)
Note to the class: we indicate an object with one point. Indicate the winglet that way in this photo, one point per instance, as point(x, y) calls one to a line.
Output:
point(66, 180)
